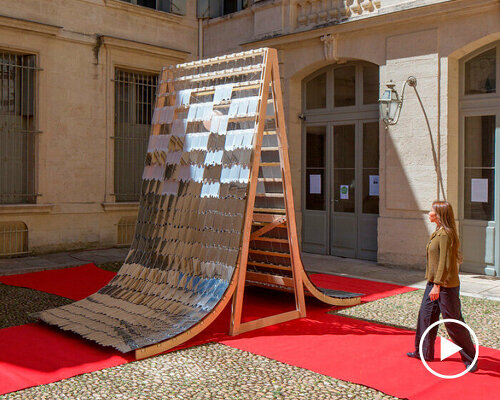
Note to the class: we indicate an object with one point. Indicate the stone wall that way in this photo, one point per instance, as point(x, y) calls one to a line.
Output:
point(78, 45)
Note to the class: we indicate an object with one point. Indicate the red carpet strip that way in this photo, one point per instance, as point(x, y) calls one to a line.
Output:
point(74, 283)
point(79, 282)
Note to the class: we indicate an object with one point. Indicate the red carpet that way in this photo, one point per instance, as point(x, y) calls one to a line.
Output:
point(78, 282)
point(356, 351)
point(369, 354)
point(37, 354)
point(74, 283)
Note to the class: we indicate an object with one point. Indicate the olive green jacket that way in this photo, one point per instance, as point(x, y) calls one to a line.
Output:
point(441, 269)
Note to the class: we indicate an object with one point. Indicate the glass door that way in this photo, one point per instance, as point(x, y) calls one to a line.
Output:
point(343, 236)
point(478, 190)
point(369, 196)
point(315, 213)
point(355, 190)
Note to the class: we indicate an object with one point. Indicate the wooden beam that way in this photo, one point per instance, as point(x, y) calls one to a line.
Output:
point(271, 279)
point(237, 304)
point(269, 253)
point(269, 266)
point(269, 227)
point(267, 321)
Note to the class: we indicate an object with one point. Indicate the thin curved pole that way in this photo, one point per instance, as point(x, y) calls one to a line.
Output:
point(437, 164)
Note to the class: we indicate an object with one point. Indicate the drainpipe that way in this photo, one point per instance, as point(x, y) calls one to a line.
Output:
point(200, 38)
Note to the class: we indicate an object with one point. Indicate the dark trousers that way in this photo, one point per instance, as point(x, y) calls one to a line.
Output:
point(447, 304)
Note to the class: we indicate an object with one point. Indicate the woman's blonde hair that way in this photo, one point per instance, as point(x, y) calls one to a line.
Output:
point(446, 217)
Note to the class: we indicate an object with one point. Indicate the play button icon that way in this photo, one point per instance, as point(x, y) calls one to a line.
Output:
point(448, 348)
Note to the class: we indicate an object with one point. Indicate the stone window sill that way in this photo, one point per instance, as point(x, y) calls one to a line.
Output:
point(10, 209)
point(126, 206)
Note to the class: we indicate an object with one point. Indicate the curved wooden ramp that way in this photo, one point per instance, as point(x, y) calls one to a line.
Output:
point(216, 213)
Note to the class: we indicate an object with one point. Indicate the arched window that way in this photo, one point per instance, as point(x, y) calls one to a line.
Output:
point(316, 92)
point(480, 73)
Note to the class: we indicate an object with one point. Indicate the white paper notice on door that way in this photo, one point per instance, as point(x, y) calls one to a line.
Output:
point(479, 190)
point(344, 192)
point(315, 184)
point(373, 185)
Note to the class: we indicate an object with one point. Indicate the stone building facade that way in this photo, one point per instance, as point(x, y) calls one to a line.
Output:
point(333, 54)
point(361, 190)
point(77, 81)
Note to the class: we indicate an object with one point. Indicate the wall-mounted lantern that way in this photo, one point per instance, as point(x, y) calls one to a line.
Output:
point(390, 104)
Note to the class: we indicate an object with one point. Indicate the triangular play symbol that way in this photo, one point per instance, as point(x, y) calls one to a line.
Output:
point(448, 348)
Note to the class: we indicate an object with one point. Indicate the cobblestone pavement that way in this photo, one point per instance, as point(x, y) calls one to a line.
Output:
point(17, 303)
point(482, 315)
point(215, 371)
point(211, 371)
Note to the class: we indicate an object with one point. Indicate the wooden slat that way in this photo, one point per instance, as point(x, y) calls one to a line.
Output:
point(270, 195)
point(257, 217)
point(270, 164)
point(269, 278)
point(271, 180)
point(220, 59)
point(203, 91)
point(270, 210)
point(270, 239)
point(270, 253)
point(205, 76)
point(270, 148)
point(270, 266)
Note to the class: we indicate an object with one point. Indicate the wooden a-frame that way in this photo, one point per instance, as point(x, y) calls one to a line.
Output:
point(266, 218)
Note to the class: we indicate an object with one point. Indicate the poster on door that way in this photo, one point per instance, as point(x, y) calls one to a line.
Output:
point(373, 185)
point(344, 192)
point(315, 184)
point(479, 190)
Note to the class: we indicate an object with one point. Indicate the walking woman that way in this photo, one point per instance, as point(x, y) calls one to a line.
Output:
point(443, 286)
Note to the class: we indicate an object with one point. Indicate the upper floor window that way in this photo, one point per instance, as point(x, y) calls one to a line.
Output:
point(17, 127)
point(171, 6)
point(217, 8)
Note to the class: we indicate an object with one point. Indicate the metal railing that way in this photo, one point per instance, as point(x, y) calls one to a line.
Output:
point(18, 74)
point(125, 231)
point(13, 238)
point(135, 94)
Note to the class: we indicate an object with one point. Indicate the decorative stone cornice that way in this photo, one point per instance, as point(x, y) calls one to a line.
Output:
point(147, 48)
point(318, 12)
point(30, 26)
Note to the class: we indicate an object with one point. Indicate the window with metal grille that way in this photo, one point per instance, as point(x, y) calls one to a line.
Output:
point(17, 128)
point(134, 103)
